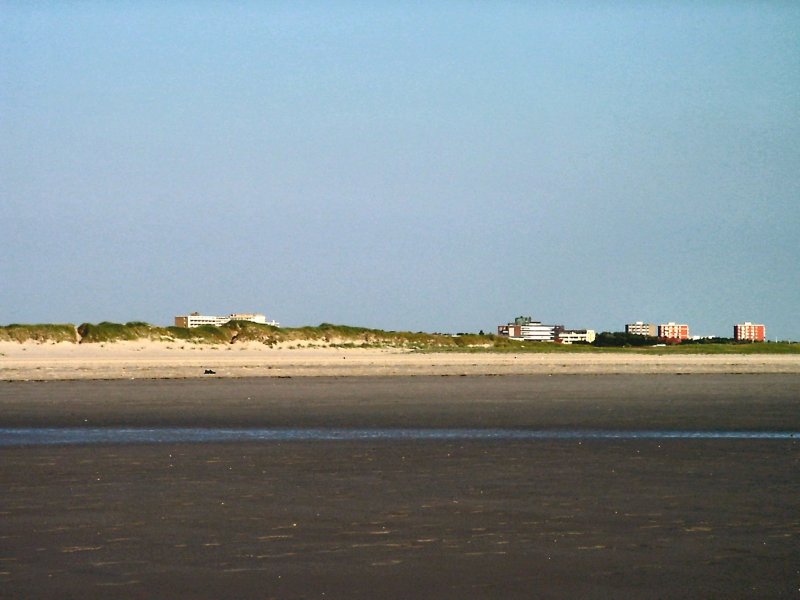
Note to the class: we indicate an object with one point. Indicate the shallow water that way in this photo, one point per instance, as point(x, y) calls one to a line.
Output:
point(112, 435)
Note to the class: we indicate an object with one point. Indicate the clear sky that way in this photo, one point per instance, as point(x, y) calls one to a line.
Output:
point(438, 166)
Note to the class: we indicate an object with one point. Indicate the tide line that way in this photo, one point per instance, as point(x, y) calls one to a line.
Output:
point(33, 436)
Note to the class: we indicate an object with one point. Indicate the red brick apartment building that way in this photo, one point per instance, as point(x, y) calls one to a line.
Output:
point(749, 332)
point(673, 331)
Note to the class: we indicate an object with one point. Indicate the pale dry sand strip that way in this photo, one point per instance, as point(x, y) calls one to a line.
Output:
point(154, 360)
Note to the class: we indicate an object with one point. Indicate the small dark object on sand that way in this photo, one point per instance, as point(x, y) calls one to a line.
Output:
point(209, 372)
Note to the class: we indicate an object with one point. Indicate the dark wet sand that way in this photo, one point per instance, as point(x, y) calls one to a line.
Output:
point(768, 401)
point(477, 519)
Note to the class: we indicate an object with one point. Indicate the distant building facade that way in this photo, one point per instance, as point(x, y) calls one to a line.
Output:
point(526, 329)
point(514, 330)
point(749, 332)
point(576, 336)
point(197, 320)
point(538, 332)
point(254, 317)
point(641, 328)
point(673, 331)
point(510, 331)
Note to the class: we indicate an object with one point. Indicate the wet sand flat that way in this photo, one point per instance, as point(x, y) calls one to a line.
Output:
point(400, 519)
point(658, 401)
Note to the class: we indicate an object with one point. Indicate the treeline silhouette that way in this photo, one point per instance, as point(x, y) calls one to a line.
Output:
point(621, 339)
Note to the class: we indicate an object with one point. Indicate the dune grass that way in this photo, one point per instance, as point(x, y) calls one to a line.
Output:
point(38, 333)
point(113, 332)
point(137, 330)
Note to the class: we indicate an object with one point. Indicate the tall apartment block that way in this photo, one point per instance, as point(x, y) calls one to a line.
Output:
point(640, 328)
point(673, 331)
point(749, 332)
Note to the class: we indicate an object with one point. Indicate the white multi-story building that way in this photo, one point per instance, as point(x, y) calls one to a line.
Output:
point(525, 328)
point(536, 332)
point(572, 336)
point(197, 320)
point(254, 317)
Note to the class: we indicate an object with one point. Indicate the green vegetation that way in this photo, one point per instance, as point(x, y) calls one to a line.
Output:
point(341, 336)
point(138, 330)
point(325, 334)
point(38, 333)
point(654, 345)
point(519, 347)
point(205, 334)
point(621, 339)
point(345, 336)
point(732, 348)
point(113, 332)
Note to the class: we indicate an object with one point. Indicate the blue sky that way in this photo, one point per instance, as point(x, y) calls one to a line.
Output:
point(439, 166)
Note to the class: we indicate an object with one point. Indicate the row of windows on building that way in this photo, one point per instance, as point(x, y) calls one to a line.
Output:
point(196, 319)
point(753, 332)
point(525, 328)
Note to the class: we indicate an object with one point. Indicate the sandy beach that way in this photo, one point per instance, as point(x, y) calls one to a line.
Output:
point(160, 360)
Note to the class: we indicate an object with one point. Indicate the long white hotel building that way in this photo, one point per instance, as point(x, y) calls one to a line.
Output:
point(196, 319)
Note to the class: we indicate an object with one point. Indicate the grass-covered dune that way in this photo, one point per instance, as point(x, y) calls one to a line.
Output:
point(327, 334)
point(39, 333)
point(344, 336)
point(234, 332)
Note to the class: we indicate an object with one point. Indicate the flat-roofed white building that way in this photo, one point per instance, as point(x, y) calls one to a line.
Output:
point(525, 328)
point(253, 317)
point(537, 332)
point(572, 336)
point(197, 320)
